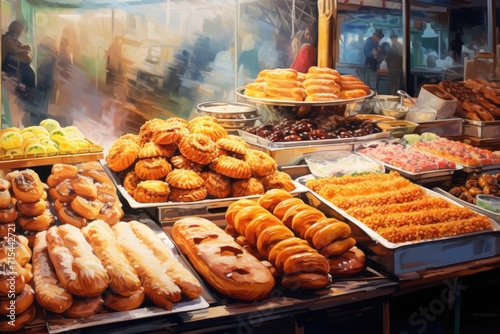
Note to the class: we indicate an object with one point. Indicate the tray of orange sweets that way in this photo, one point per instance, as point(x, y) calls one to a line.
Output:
point(405, 227)
point(320, 86)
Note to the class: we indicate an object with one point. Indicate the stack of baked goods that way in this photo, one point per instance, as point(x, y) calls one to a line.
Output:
point(77, 272)
point(473, 185)
point(184, 161)
point(477, 99)
point(82, 193)
point(397, 209)
point(8, 210)
point(319, 84)
point(17, 297)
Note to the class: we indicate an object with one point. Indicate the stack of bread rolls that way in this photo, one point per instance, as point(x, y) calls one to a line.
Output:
point(82, 193)
point(17, 307)
point(322, 84)
point(8, 210)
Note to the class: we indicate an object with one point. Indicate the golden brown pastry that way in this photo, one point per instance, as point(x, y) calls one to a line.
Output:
point(152, 168)
point(85, 207)
point(60, 172)
point(84, 307)
point(217, 185)
point(19, 245)
point(273, 197)
point(260, 163)
point(19, 303)
point(247, 187)
point(67, 215)
point(84, 186)
point(187, 195)
point(181, 162)
point(37, 223)
point(118, 302)
point(31, 208)
point(22, 319)
point(26, 185)
point(232, 146)
point(8, 214)
point(152, 191)
point(199, 148)
point(231, 167)
point(130, 182)
point(278, 180)
point(5, 196)
point(184, 179)
point(122, 154)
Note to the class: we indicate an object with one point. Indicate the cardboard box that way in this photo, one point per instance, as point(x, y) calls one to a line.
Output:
point(434, 97)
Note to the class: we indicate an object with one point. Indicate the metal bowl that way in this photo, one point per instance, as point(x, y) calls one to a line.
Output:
point(229, 110)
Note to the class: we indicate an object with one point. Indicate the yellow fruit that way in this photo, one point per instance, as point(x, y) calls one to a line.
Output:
point(10, 140)
point(50, 124)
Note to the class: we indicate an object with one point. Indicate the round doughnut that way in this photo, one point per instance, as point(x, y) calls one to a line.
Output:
point(37, 223)
point(26, 185)
point(85, 207)
point(122, 155)
point(198, 147)
point(22, 319)
point(5, 196)
point(151, 191)
point(231, 167)
point(20, 245)
point(181, 162)
point(323, 70)
point(217, 185)
point(31, 208)
point(184, 179)
point(338, 247)
point(247, 187)
point(245, 215)
point(271, 236)
point(309, 281)
point(84, 307)
point(152, 168)
point(278, 180)
point(84, 186)
point(234, 208)
point(118, 302)
point(58, 205)
point(348, 264)
point(281, 74)
point(7, 229)
point(19, 279)
point(63, 191)
point(187, 195)
point(209, 128)
point(21, 302)
point(304, 219)
point(258, 224)
point(60, 172)
point(272, 197)
point(322, 97)
point(111, 214)
point(8, 214)
point(284, 245)
point(281, 208)
point(67, 215)
point(130, 182)
point(261, 164)
point(330, 233)
point(232, 145)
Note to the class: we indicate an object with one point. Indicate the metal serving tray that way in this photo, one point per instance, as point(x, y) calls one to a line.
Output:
point(482, 129)
point(58, 323)
point(409, 257)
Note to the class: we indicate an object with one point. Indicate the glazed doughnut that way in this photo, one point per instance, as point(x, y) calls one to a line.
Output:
point(308, 281)
point(118, 302)
point(22, 319)
point(21, 302)
point(85, 207)
point(26, 185)
point(282, 207)
point(58, 205)
point(122, 155)
point(5, 196)
point(6, 270)
point(256, 89)
point(20, 245)
point(37, 223)
point(292, 211)
point(282, 74)
point(111, 214)
point(234, 208)
point(184, 179)
point(306, 262)
point(84, 186)
point(26, 271)
point(338, 247)
point(67, 215)
point(258, 224)
point(330, 233)
point(245, 215)
point(261, 164)
point(272, 197)
point(231, 167)
point(247, 187)
point(63, 191)
point(322, 97)
point(84, 307)
point(283, 245)
point(217, 185)
point(285, 254)
point(278, 180)
point(198, 147)
point(353, 93)
point(61, 172)
point(304, 219)
point(314, 228)
point(232, 145)
point(130, 182)
point(271, 236)
point(31, 208)
point(181, 162)
point(8, 214)
point(152, 168)
point(187, 195)
point(151, 191)
point(210, 128)
point(350, 263)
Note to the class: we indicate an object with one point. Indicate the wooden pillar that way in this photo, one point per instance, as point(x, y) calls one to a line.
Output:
point(327, 36)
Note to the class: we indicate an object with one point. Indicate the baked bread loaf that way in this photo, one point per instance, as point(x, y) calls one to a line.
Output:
point(227, 266)
point(76, 265)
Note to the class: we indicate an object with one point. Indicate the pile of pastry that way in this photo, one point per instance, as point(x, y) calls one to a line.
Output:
point(319, 84)
point(184, 161)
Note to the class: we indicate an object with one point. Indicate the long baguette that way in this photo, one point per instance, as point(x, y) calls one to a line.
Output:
point(184, 279)
point(78, 269)
point(158, 286)
point(227, 266)
point(124, 279)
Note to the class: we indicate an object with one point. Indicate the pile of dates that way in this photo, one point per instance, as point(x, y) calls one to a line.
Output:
point(474, 185)
point(308, 129)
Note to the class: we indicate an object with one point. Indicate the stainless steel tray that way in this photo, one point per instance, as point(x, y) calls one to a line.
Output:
point(409, 257)
point(58, 323)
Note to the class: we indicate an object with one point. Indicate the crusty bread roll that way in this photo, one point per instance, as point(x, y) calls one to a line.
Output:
point(79, 270)
point(84, 307)
point(158, 286)
point(118, 302)
point(124, 279)
point(184, 279)
point(227, 266)
point(50, 294)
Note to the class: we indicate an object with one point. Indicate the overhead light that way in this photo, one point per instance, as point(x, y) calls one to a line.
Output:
point(429, 32)
point(370, 31)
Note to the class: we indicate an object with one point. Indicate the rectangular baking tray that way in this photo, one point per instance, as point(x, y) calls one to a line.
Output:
point(58, 323)
point(448, 127)
point(480, 129)
point(409, 257)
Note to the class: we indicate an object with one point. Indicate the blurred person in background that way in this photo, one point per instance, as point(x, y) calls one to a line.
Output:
point(394, 62)
point(307, 55)
point(371, 50)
